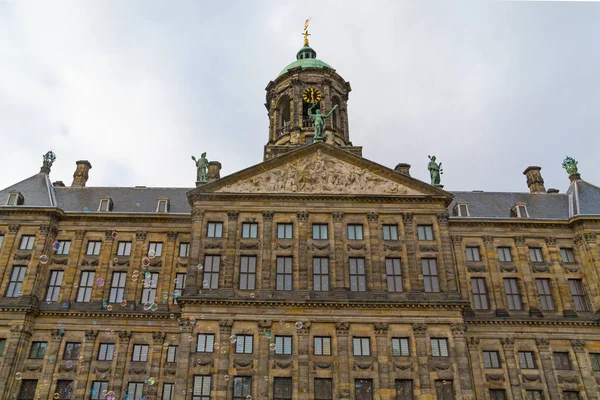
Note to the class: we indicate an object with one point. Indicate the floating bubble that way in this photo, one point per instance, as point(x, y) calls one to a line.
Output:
point(172, 316)
point(86, 210)
point(20, 293)
point(268, 335)
point(249, 397)
point(232, 338)
point(145, 261)
point(299, 325)
point(217, 346)
point(69, 364)
point(123, 303)
point(272, 347)
point(287, 325)
point(44, 259)
point(151, 381)
point(134, 278)
point(81, 358)
point(56, 246)
point(266, 378)
point(100, 282)
point(200, 266)
point(192, 320)
point(154, 307)
point(176, 294)
point(147, 306)
point(114, 234)
point(55, 376)
point(109, 307)
point(205, 284)
point(252, 295)
point(223, 350)
point(56, 396)
point(176, 281)
point(151, 254)
point(65, 305)
point(281, 322)
point(18, 376)
point(226, 377)
point(137, 204)
point(165, 346)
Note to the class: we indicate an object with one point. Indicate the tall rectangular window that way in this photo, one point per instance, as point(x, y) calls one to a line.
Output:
point(172, 354)
point(595, 358)
point(393, 270)
point(535, 255)
point(86, 284)
point(425, 232)
point(283, 345)
point(504, 254)
point(117, 287)
point(361, 346)
point(242, 387)
point(282, 388)
point(513, 295)
point(124, 249)
point(64, 248)
point(284, 273)
point(480, 295)
point(38, 350)
point(319, 231)
point(168, 392)
point(202, 387)
point(431, 279)
point(545, 294)
point(497, 394)
point(64, 389)
point(184, 250)
point(149, 290)
point(363, 389)
point(214, 230)
point(93, 248)
point(54, 284)
point(16, 281)
point(206, 342)
point(527, 360)
point(400, 347)
point(285, 230)
point(106, 351)
point(355, 232)
point(27, 389)
point(358, 279)
point(323, 389)
point(561, 360)
point(322, 345)
point(247, 272)
point(473, 254)
point(180, 281)
point(2, 345)
point(27, 242)
point(155, 249)
point(534, 395)
point(320, 274)
point(491, 359)
point(140, 352)
point(212, 265)
point(579, 296)
point(135, 390)
point(99, 388)
point(567, 255)
point(72, 350)
point(249, 230)
point(444, 389)
point(404, 389)
point(1, 240)
point(390, 232)
point(439, 347)
point(244, 344)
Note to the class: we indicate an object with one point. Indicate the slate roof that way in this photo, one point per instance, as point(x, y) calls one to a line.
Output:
point(37, 191)
point(585, 198)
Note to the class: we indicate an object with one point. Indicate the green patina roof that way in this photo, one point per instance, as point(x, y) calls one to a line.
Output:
point(305, 58)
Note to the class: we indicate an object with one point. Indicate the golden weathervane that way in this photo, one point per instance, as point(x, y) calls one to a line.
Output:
point(306, 34)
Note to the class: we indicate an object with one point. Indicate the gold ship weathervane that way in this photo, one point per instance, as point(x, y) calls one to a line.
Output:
point(305, 33)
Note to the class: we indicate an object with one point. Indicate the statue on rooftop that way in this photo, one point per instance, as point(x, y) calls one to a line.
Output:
point(570, 165)
point(435, 170)
point(319, 122)
point(49, 159)
point(202, 166)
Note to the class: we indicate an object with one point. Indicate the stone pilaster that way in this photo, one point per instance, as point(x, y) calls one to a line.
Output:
point(185, 362)
point(303, 356)
point(196, 239)
point(548, 367)
point(446, 254)
point(37, 274)
point(108, 252)
point(54, 359)
point(167, 280)
point(225, 326)
point(263, 358)
point(87, 351)
point(460, 260)
point(376, 253)
point(462, 360)
point(15, 353)
point(339, 257)
point(414, 269)
point(342, 331)
point(522, 258)
point(508, 344)
point(473, 345)
point(420, 334)
point(72, 269)
point(8, 243)
point(588, 251)
point(228, 261)
point(585, 372)
point(123, 356)
point(496, 285)
point(304, 265)
point(383, 360)
point(266, 287)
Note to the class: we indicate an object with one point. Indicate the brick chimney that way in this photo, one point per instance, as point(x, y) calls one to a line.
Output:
point(80, 176)
point(214, 171)
point(534, 180)
point(403, 168)
point(58, 184)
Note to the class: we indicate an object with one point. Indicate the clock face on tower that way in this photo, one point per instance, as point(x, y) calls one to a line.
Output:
point(311, 95)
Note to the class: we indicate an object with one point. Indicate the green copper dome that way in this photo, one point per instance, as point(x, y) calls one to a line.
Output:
point(305, 58)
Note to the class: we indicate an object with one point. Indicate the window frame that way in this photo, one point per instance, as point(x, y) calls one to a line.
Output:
point(171, 391)
point(320, 274)
point(105, 205)
point(359, 392)
point(157, 247)
point(285, 230)
point(138, 390)
point(514, 300)
point(473, 254)
point(97, 390)
point(53, 288)
point(544, 291)
point(527, 359)
point(116, 294)
point(562, 361)
point(186, 246)
point(567, 255)
point(284, 278)
point(162, 206)
point(63, 250)
point(579, 295)
point(534, 394)
point(106, 352)
point(497, 394)
point(249, 230)
point(124, 248)
point(247, 277)
point(536, 255)
point(85, 287)
point(208, 342)
point(149, 293)
point(439, 350)
point(214, 229)
point(172, 353)
point(491, 359)
point(393, 273)
point(425, 232)
point(72, 350)
point(502, 252)
point(283, 345)
point(67, 389)
point(282, 383)
point(15, 283)
point(355, 232)
point(404, 393)
point(96, 245)
point(246, 387)
point(27, 242)
point(401, 346)
point(324, 389)
point(357, 274)
point(595, 361)
point(324, 345)
point(205, 383)
point(26, 386)
point(364, 347)
point(317, 231)
point(212, 271)
point(141, 356)
point(431, 280)
point(481, 300)
point(244, 344)
point(38, 349)
point(390, 231)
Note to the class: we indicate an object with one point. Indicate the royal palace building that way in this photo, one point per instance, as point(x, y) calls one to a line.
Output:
point(316, 274)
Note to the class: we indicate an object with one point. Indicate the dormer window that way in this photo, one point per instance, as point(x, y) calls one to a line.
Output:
point(14, 199)
point(163, 206)
point(520, 211)
point(106, 204)
point(461, 210)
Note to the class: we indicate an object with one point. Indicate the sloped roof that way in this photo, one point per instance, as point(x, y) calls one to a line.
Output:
point(585, 198)
point(37, 191)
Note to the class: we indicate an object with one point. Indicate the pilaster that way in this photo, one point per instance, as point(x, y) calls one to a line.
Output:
point(375, 253)
point(420, 335)
point(473, 345)
point(51, 366)
point(87, 351)
point(411, 254)
point(303, 356)
point(508, 344)
point(589, 382)
point(447, 257)
point(548, 367)
point(123, 356)
point(339, 255)
point(462, 360)
point(228, 262)
point(304, 265)
point(264, 327)
point(383, 360)
point(267, 267)
point(196, 243)
point(15, 353)
point(342, 331)
point(460, 260)
point(225, 326)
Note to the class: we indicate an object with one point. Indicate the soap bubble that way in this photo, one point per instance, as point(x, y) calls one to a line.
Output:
point(56, 246)
point(153, 307)
point(44, 259)
point(56, 396)
point(205, 284)
point(299, 325)
point(223, 350)
point(217, 346)
point(81, 358)
point(272, 346)
point(200, 266)
point(226, 377)
point(151, 381)
point(100, 282)
point(123, 303)
point(109, 307)
point(86, 210)
point(172, 316)
point(266, 378)
point(151, 254)
point(232, 338)
point(249, 397)
point(147, 306)
point(18, 376)
point(165, 345)
point(114, 235)
point(268, 335)
point(145, 261)
point(69, 364)
point(281, 322)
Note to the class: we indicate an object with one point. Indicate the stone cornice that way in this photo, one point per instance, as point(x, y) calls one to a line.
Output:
point(375, 198)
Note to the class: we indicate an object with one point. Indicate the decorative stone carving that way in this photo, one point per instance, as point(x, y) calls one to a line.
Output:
point(539, 268)
point(302, 216)
point(57, 334)
point(337, 216)
point(197, 215)
point(282, 365)
point(419, 329)
point(102, 370)
point(14, 228)
point(571, 269)
point(542, 343)
point(586, 237)
point(473, 343)
point(64, 368)
point(442, 366)
point(305, 330)
point(60, 261)
point(22, 257)
point(90, 262)
point(458, 329)
point(372, 216)
point(356, 247)
point(21, 330)
point(342, 328)
point(381, 328)
point(567, 379)
point(456, 239)
point(249, 246)
point(268, 215)
point(30, 367)
point(550, 241)
point(125, 335)
point(387, 247)
point(79, 234)
point(519, 240)
point(363, 366)
point(172, 236)
point(264, 326)
point(280, 246)
point(206, 362)
point(244, 363)
point(476, 268)
point(211, 245)
point(91, 334)
point(319, 173)
point(407, 217)
point(404, 367)
point(233, 215)
point(158, 336)
point(488, 241)
point(139, 371)
point(495, 377)
point(428, 249)
point(140, 235)
point(508, 267)
point(578, 345)
point(225, 324)
point(319, 247)
point(508, 343)
point(322, 365)
point(442, 218)
point(531, 378)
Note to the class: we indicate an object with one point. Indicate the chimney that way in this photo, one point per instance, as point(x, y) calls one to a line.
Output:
point(534, 180)
point(214, 171)
point(552, 191)
point(80, 176)
point(58, 184)
point(403, 168)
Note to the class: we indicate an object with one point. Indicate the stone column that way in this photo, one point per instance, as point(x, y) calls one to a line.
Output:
point(473, 344)
point(496, 286)
point(49, 368)
point(72, 269)
point(263, 359)
point(376, 254)
point(15, 353)
point(304, 265)
point(156, 354)
point(139, 250)
point(508, 344)
point(447, 257)
point(303, 356)
point(588, 249)
point(342, 329)
point(123, 349)
point(87, 351)
point(584, 370)
point(420, 333)
point(266, 288)
point(225, 326)
point(192, 284)
point(548, 367)
point(462, 271)
point(383, 360)
point(228, 261)
point(5, 251)
point(167, 280)
point(37, 275)
point(414, 269)
point(462, 360)
point(185, 362)
point(524, 283)
point(564, 300)
point(339, 257)
point(107, 254)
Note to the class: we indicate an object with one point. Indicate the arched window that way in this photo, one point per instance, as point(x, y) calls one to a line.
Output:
point(284, 115)
point(336, 119)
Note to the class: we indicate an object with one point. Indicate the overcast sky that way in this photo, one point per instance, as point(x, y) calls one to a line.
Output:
point(137, 87)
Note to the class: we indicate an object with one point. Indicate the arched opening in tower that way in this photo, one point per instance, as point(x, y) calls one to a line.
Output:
point(306, 120)
point(284, 114)
point(336, 118)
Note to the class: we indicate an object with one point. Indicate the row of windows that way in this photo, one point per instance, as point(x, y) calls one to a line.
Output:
point(106, 351)
point(535, 254)
point(513, 294)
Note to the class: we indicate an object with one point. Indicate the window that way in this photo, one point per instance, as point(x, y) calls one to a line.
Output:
point(561, 360)
point(106, 352)
point(249, 230)
point(163, 206)
point(504, 254)
point(134, 390)
point(184, 250)
point(323, 389)
point(14, 199)
point(491, 359)
point(71, 351)
point(124, 249)
point(320, 274)
point(168, 391)
point(513, 296)
point(319, 231)
point(431, 279)
point(358, 278)
point(361, 346)
point(38, 350)
point(400, 347)
point(212, 265)
point(284, 231)
point(393, 271)
point(322, 345)
point(117, 287)
point(247, 272)
point(180, 281)
point(86, 283)
point(93, 248)
point(205, 344)
point(105, 205)
point(579, 296)
point(172, 354)
point(140, 352)
point(214, 230)
point(534, 395)
point(567, 256)
point(535, 255)
point(242, 387)
point(65, 246)
point(425, 232)
point(355, 232)
point(2, 345)
point(54, 283)
point(520, 211)
point(99, 388)
point(155, 247)
point(390, 232)
point(283, 345)
point(473, 254)
point(439, 347)
point(545, 294)
point(526, 360)
point(16, 281)
point(27, 242)
point(284, 273)
point(363, 389)
point(27, 390)
point(570, 395)
point(480, 295)
point(461, 210)
point(444, 389)
point(202, 387)
point(243, 345)
point(1, 240)
point(497, 394)
point(282, 388)
point(404, 389)
point(595, 357)
point(149, 290)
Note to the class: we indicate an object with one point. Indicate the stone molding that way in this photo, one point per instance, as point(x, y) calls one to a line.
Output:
point(508, 343)
point(337, 216)
point(542, 343)
point(322, 365)
point(172, 236)
point(91, 334)
point(342, 328)
point(302, 216)
point(356, 247)
point(363, 366)
point(381, 328)
point(488, 241)
point(282, 365)
point(57, 334)
point(268, 215)
point(79, 234)
point(140, 235)
point(264, 326)
point(372, 216)
point(159, 336)
point(250, 245)
point(319, 247)
point(495, 377)
point(125, 335)
point(473, 343)
point(233, 215)
point(458, 329)
point(456, 239)
point(14, 228)
point(519, 240)
point(442, 218)
point(550, 241)
point(585, 237)
point(197, 215)
point(578, 345)
point(419, 329)
point(387, 247)
point(408, 217)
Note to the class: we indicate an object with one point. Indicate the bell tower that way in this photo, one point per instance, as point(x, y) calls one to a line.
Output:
point(307, 83)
